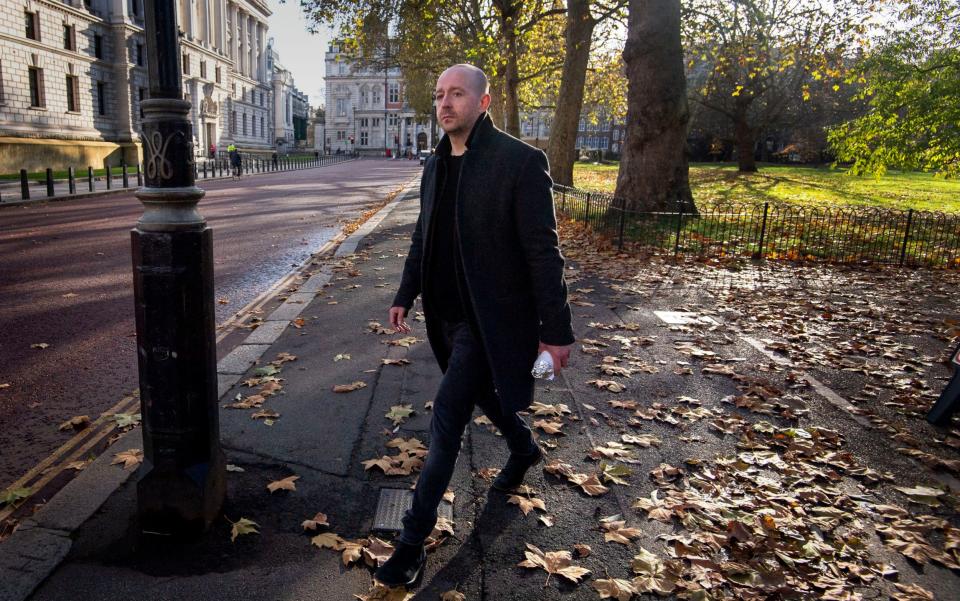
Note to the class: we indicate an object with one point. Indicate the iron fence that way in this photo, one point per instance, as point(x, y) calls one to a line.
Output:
point(774, 231)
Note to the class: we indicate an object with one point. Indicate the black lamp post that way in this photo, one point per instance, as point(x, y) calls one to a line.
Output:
point(181, 486)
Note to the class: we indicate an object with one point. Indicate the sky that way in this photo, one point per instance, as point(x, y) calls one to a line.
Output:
point(299, 50)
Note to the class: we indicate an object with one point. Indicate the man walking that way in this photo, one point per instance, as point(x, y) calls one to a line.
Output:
point(485, 257)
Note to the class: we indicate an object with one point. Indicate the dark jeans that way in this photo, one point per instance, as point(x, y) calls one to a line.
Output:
point(467, 382)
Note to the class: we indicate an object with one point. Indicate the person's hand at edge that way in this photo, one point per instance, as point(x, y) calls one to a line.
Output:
point(560, 355)
point(399, 324)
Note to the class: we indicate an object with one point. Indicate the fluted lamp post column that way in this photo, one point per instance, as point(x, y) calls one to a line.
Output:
point(182, 481)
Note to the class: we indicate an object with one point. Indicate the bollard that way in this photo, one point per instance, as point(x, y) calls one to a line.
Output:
point(49, 181)
point(90, 184)
point(24, 185)
point(220, 166)
point(204, 170)
point(109, 177)
point(71, 181)
point(586, 213)
point(126, 177)
point(139, 176)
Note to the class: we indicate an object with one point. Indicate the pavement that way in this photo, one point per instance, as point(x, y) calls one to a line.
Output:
point(84, 543)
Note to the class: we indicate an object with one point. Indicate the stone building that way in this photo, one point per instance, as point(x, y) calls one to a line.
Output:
point(291, 107)
point(73, 73)
point(366, 109)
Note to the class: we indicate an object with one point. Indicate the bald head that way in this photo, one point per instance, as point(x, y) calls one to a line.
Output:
point(476, 78)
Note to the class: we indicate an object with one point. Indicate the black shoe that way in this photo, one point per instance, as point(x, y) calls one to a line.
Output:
point(511, 476)
point(405, 566)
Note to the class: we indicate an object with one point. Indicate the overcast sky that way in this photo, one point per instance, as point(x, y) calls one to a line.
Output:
point(300, 51)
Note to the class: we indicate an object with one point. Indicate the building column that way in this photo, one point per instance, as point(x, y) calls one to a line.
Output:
point(403, 134)
point(261, 54)
point(251, 48)
point(241, 41)
point(188, 18)
point(232, 51)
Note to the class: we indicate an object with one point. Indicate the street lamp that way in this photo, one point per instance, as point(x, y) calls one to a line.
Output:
point(182, 481)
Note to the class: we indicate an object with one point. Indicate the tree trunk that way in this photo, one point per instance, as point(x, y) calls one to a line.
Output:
point(561, 150)
point(745, 141)
point(509, 11)
point(653, 172)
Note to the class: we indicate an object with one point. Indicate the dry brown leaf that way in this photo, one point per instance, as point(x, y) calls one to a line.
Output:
point(550, 427)
point(315, 522)
point(615, 588)
point(553, 562)
point(78, 422)
point(349, 387)
point(287, 483)
point(130, 459)
point(527, 504)
point(453, 595)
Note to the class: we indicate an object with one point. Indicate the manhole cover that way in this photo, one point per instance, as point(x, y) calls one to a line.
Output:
point(683, 318)
point(392, 505)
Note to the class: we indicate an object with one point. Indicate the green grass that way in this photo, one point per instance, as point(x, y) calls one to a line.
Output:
point(720, 183)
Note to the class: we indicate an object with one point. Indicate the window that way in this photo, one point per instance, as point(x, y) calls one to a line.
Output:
point(364, 95)
point(253, 126)
point(263, 132)
point(393, 92)
point(36, 87)
point(364, 138)
point(244, 124)
point(393, 121)
point(217, 73)
point(203, 69)
point(340, 135)
point(186, 64)
point(141, 95)
point(135, 8)
point(341, 108)
point(73, 94)
point(364, 122)
point(69, 37)
point(140, 55)
point(98, 45)
point(376, 121)
point(101, 98)
point(32, 22)
point(233, 122)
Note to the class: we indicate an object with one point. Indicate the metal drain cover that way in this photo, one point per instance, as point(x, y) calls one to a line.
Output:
point(392, 505)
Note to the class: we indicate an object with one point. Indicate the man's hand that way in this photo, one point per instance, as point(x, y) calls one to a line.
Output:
point(397, 315)
point(560, 355)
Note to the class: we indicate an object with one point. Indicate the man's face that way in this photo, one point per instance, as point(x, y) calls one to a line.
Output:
point(459, 101)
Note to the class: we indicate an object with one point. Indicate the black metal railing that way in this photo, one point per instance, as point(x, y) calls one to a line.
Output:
point(773, 230)
point(213, 168)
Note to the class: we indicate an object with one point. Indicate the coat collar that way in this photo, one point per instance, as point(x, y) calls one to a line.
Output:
point(479, 135)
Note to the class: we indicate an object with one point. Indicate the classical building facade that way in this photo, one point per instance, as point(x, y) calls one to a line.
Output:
point(291, 107)
point(366, 109)
point(73, 74)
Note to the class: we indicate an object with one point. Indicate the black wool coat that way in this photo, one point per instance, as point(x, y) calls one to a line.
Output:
point(509, 252)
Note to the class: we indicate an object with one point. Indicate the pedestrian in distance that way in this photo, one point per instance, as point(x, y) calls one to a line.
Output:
point(485, 257)
point(235, 161)
point(274, 159)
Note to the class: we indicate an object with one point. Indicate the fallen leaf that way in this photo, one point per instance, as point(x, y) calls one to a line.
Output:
point(130, 459)
point(298, 322)
point(527, 504)
point(315, 522)
point(548, 426)
point(39, 345)
point(12, 496)
point(287, 483)
point(395, 361)
point(349, 387)
point(553, 562)
point(78, 422)
point(399, 413)
point(341, 357)
point(404, 342)
point(546, 519)
point(241, 527)
point(582, 550)
point(234, 468)
point(453, 595)
point(615, 588)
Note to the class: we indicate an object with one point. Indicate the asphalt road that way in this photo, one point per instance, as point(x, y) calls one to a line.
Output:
point(65, 281)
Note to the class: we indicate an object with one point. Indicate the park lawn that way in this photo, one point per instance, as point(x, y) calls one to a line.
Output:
point(720, 183)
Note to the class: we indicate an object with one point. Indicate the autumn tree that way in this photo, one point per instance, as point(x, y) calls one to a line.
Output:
point(912, 89)
point(653, 166)
point(750, 58)
point(582, 19)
